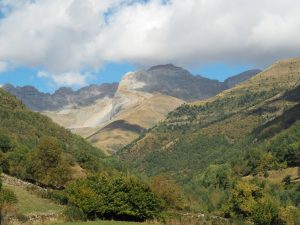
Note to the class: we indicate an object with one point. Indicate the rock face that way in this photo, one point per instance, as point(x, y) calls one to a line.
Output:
point(178, 82)
point(141, 100)
point(62, 98)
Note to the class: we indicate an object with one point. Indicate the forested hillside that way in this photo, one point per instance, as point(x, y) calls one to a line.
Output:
point(224, 149)
point(73, 174)
point(33, 147)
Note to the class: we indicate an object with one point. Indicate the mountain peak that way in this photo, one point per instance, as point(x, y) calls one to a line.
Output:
point(178, 82)
point(169, 70)
point(164, 66)
point(25, 89)
point(64, 91)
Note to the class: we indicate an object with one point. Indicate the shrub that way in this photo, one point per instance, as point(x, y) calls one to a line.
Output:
point(287, 180)
point(7, 196)
point(288, 216)
point(47, 165)
point(265, 212)
point(169, 191)
point(73, 213)
point(56, 196)
point(114, 197)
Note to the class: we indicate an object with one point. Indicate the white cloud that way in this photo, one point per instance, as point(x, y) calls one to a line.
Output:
point(70, 79)
point(72, 35)
point(43, 74)
point(65, 79)
point(3, 66)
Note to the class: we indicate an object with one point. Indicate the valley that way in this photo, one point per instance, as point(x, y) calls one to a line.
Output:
point(151, 151)
point(149, 112)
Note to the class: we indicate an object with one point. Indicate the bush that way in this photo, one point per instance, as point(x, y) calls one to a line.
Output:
point(73, 213)
point(288, 216)
point(56, 196)
point(264, 213)
point(47, 165)
point(7, 196)
point(169, 191)
point(114, 197)
point(5, 143)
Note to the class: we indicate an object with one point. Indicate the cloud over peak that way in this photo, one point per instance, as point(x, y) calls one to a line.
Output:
point(76, 35)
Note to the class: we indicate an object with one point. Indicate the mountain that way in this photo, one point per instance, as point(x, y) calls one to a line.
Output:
point(177, 82)
point(129, 108)
point(180, 83)
point(105, 114)
point(144, 98)
point(239, 78)
point(236, 154)
point(218, 129)
point(63, 97)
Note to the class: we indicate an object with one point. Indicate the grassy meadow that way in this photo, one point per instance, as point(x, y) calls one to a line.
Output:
point(29, 203)
point(104, 223)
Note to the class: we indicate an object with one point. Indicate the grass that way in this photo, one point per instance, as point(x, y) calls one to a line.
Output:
point(103, 223)
point(30, 203)
point(276, 176)
point(181, 221)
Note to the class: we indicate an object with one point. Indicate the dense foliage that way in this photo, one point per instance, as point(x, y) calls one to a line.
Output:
point(32, 147)
point(227, 152)
point(35, 149)
point(114, 197)
point(169, 191)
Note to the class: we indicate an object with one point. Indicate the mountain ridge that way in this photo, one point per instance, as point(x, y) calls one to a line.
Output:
point(155, 79)
point(141, 99)
point(64, 96)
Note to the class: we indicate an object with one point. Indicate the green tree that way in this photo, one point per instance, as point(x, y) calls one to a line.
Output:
point(217, 175)
point(47, 165)
point(5, 143)
point(289, 215)
point(114, 197)
point(243, 199)
point(169, 191)
point(265, 212)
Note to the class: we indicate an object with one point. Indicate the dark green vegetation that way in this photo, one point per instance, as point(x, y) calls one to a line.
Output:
point(234, 156)
point(114, 197)
point(209, 148)
point(105, 223)
point(34, 148)
point(76, 174)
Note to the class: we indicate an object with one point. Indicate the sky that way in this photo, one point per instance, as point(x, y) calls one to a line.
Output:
point(54, 43)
